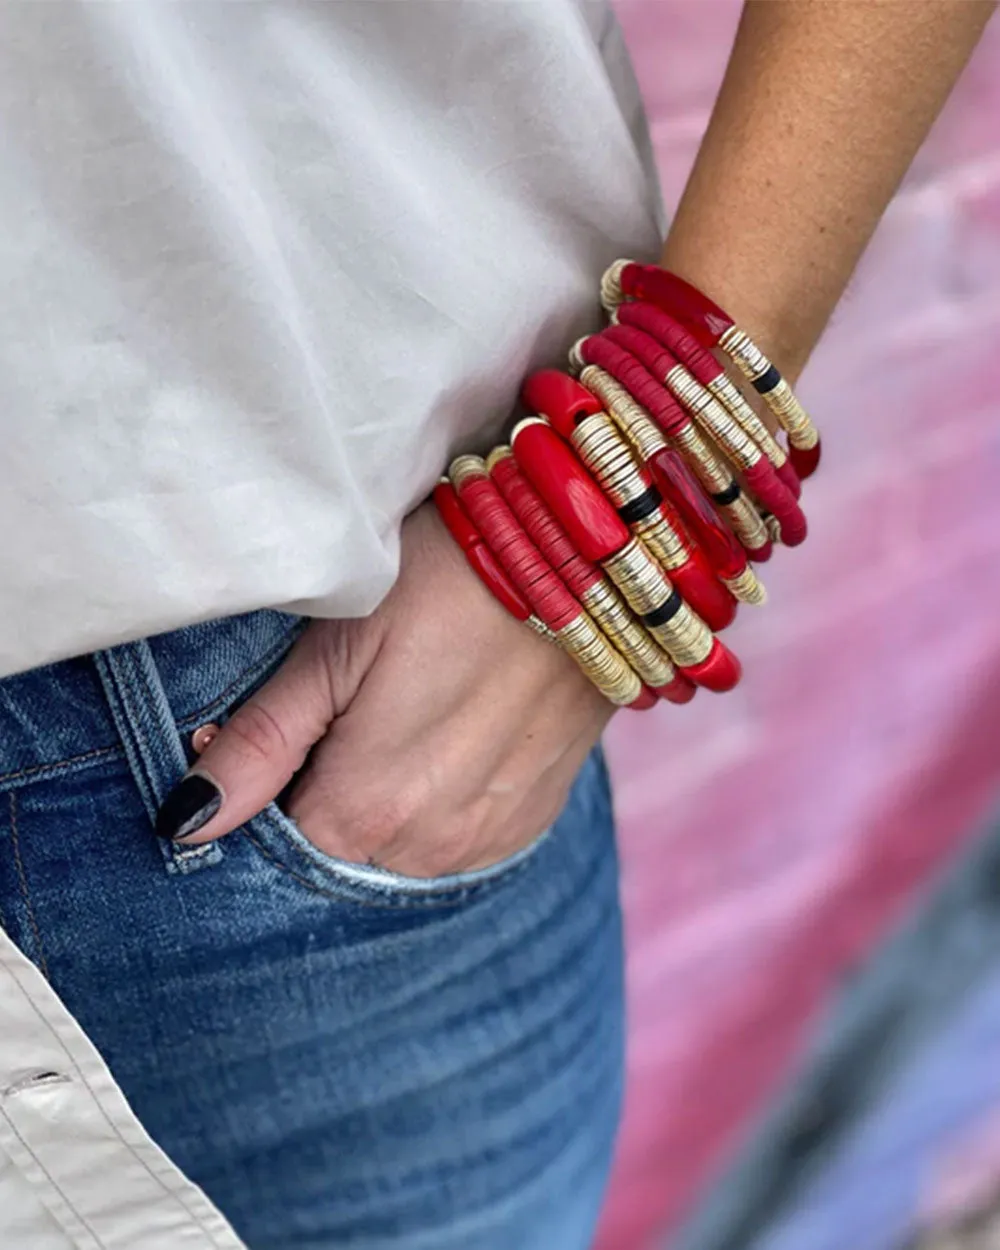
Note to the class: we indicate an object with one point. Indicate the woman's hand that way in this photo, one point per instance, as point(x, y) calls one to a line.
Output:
point(437, 736)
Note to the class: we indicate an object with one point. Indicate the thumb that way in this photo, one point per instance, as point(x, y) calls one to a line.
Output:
point(256, 753)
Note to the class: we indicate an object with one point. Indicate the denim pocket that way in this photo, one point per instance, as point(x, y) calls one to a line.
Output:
point(282, 842)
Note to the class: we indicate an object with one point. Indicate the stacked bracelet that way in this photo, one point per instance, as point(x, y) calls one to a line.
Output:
point(623, 519)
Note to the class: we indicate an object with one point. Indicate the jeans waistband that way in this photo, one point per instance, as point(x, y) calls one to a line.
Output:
point(62, 716)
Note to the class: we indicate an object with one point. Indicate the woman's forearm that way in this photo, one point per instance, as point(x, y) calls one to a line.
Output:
point(822, 109)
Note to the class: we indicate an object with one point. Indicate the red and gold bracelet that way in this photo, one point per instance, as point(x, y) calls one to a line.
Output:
point(713, 327)
point(621, 520)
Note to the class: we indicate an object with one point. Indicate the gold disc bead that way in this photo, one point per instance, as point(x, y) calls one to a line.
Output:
point(780, 398)
point(599, 661)
point(611, 460)
point(713, 418)
point(631, 418)
point(717, 479)
point(611, 285)
point(649, 593)
point(728, 393)
point(632, 639)
point(463, 468)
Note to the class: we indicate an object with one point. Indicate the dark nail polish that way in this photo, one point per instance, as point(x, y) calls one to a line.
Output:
point(189, 805)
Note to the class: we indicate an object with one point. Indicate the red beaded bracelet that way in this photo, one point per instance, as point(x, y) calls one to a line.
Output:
point(620, 520)
point(715, 328)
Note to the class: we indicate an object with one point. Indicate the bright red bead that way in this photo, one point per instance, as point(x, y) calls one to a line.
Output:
point(707, 528)
point(483, 561)
point(577, 501)
point(704, 592)
point(454, 517)
point(704, 318)
point(680, 690)
point(645, 699)
point(560, 398)
point(720, 671)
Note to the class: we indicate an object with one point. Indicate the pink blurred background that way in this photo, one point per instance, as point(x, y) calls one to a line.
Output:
point(771, 838)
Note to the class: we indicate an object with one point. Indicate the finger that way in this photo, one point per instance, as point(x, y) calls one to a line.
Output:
point(255, 754)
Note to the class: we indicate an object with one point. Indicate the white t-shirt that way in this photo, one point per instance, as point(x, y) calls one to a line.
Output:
point(265, 267)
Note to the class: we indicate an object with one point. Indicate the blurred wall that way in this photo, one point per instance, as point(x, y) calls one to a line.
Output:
point(772, 836)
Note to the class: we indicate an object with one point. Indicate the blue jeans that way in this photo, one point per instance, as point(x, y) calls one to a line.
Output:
point(340, 1057)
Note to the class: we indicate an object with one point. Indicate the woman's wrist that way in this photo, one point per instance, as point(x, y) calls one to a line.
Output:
point(784, 322)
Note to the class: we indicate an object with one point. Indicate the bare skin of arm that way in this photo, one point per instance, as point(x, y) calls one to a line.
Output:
point(440, 735)
point(823, 107)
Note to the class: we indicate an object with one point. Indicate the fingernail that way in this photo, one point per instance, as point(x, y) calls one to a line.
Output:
point(190, 804)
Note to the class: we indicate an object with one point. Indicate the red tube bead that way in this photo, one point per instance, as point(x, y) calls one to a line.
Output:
point(454, 516)
point(542, 527)
point(480, 558)
point(645, 700)
point(720, 671)
point(592, 523)
point(700, 587)
point(483, 561)
point(521, 560)
point(560, 398)
point(679, 485)
point(680, 690)
point(704, 318)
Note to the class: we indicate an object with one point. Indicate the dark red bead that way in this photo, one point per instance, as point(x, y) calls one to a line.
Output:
point(778, 500)
point(656, 358)
point(669, 332)
point(806, 461)
point(577, 501)
point(790, 478)
point(707, 528)
point(560, 398)
point(637, 380)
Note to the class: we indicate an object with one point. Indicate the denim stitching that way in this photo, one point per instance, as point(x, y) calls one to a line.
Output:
point(146, 666)
point(220, 700)
point(57, 1187)
point(32, 920)
point(56, 764)
point(135, 758)
point(115, 1128)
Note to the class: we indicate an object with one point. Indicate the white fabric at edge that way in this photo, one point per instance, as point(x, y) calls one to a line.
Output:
point(77, 1170)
